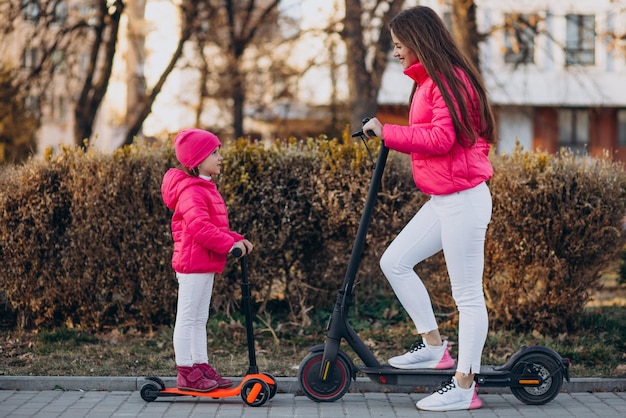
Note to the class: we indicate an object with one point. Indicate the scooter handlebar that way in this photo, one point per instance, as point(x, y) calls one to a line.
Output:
point(237, 252)
point(361, 133)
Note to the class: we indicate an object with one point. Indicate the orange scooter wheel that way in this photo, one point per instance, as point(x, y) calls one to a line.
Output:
point(255, 392)
point(273, 386)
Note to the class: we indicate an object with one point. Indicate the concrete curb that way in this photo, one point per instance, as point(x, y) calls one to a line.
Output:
point(285, 384)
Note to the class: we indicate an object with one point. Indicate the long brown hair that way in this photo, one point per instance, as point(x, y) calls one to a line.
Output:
point(422, 30)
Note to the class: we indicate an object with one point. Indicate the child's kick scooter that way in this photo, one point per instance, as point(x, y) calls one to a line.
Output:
point(255, 388)
point(534, 374)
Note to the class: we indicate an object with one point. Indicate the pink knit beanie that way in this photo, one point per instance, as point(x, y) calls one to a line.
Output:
point(192, 146)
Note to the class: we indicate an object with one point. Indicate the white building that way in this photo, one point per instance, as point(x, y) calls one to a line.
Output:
point(559, 78)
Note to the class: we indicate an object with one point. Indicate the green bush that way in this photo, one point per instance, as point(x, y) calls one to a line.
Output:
point(85, 237)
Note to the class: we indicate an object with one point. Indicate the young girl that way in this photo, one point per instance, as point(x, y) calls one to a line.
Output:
point(202, 241)
point(451, 126)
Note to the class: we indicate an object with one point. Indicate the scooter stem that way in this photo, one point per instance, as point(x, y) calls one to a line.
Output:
point(338, 326)
point(245, 297)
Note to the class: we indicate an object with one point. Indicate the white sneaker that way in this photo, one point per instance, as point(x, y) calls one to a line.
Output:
point(422, 356)
point(451, 397)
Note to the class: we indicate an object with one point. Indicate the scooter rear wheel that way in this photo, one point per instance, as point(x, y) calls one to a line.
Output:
point(335, 386)
point(149, 392)
point(157, 380)
point(548, 369)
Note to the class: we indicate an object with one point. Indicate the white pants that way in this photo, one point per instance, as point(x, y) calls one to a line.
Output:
point(457, 224)
point(192, 314)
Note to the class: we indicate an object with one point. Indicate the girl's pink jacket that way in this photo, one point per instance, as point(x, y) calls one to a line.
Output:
point(202, 237)
point(440, 164)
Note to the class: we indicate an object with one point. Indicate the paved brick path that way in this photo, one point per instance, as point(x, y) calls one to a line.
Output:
point(580, 399)
point(103, 404)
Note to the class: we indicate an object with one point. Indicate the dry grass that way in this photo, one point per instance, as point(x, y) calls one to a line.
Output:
point(67, 352)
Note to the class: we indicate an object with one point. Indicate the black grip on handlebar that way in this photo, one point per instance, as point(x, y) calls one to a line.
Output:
point(360, 133)
point(237, 252)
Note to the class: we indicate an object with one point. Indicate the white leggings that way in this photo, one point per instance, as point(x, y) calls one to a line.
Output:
point(192, 314)
point(457, 224)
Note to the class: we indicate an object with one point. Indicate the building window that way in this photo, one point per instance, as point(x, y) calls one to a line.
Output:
point(31, 104)
point(30, 58)
point(574, 128)
point(30, 9)
point(519, 38)
point(621, 128)
point(59, 13)
point(58, 61)
point(83, 63)
point(87, 12)
point(59, 108)
point(580, 41)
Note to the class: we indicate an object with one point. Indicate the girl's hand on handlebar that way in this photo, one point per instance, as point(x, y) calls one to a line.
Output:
point(373, 125)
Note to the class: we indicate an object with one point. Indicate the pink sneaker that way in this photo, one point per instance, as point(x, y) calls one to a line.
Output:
point(451, 397)
point(421, 356)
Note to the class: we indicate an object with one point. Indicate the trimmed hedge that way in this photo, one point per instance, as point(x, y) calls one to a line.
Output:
point(558, 220)
point(85, 238)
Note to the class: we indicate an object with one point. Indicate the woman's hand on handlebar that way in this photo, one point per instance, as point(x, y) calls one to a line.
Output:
point(244, 246)
point(373, 126)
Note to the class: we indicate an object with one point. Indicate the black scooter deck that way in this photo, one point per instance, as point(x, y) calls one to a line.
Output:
point(387, 375)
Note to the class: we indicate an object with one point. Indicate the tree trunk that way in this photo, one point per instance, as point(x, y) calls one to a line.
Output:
point(239, 98)
point(465, 29)
point(93, 91)
point(363, 82)
point(361, 102)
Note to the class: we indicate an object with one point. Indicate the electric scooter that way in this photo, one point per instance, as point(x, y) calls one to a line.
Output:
point(255, 388)
point(534, 374)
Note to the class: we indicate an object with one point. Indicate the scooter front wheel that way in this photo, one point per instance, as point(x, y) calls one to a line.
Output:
point(551, 373)
point(316, 389)
point(273, 386)
point(255, 392)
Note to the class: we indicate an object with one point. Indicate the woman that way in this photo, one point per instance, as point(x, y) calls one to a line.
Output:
point(451, 126)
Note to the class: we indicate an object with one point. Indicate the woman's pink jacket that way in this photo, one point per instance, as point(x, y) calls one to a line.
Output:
point(440, 164)
point(202, 237)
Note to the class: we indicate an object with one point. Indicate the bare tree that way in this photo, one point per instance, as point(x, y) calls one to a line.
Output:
point(368, 42)
point(75, 48)
point(61, 46)
point(71, 47)
point(231, 29)
point(104, 33)
point(192, 15)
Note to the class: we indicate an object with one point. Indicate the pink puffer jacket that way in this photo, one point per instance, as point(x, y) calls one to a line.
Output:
point(440, 164)
point(202, 237)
